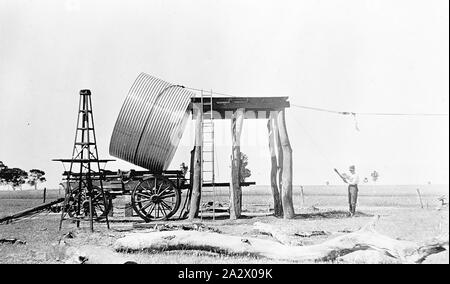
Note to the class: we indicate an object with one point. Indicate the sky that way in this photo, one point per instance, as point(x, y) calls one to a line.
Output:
point(352, 55)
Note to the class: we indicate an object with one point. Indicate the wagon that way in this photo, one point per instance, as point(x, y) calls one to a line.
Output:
point(154, 196)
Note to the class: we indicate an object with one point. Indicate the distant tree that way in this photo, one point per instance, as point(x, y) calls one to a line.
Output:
point(375, 175)
point(244, 173)
point(2, 166)
point(14, 177)
point(36, 176)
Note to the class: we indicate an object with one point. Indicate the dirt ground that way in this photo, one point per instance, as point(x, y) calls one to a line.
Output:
point(320, 212)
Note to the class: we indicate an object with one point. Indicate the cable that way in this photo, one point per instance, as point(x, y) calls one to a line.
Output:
point(322, 109)
point(404, 114)
point(369, 113)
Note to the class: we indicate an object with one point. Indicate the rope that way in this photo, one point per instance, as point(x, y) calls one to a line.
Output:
point(368, 113)
point(356, 122)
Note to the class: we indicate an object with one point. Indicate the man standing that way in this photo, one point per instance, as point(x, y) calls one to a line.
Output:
point(352, 180)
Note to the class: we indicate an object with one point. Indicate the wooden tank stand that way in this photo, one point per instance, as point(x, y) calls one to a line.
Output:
point(237, 109)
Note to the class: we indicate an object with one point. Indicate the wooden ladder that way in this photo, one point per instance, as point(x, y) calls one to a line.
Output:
point(207, 150)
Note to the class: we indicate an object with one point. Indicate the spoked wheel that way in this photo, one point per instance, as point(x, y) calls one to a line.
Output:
point(74, 202)
point(78, 203)
point(100, 209)
point(155, 198)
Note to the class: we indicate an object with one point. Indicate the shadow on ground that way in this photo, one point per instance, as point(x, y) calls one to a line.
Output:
point(226, 217)
point(333, 214)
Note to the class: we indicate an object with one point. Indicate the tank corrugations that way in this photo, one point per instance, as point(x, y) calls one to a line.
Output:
point(151, 122)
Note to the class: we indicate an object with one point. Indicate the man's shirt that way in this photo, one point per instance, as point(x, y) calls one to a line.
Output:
point(352, 179)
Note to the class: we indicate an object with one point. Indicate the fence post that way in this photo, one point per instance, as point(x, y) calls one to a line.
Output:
point(420, 198)
point(45, 193)
point(302, 195)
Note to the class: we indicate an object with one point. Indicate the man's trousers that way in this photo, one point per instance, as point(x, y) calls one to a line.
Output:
point(352, 198)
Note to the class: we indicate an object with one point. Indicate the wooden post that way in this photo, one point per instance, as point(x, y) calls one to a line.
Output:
point(277, 207)
point(286, 183)
point(420, 198)
point(45, 193)
point(195, 198)
point(302, 195)
point(236, 193)
point(279, 153)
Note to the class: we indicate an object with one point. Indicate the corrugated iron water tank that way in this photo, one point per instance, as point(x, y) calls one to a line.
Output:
point(150, 123)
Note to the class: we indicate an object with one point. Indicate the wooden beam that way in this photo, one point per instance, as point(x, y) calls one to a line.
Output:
point(286, 183)
point(29, 211)
point(196, 182)
point(236, 191)
point(279, 152)
point(278, 209)
point(255, 107)
point(251, 103)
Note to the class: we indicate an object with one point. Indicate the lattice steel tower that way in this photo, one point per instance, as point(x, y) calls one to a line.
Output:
point(85, 198)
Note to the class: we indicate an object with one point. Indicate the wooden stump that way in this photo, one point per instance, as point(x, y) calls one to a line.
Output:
point(236, 192)
point(286, 183)
point(279, 152)
point(277, 206)
point(195, 197)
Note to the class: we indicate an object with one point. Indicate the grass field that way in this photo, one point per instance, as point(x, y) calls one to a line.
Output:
point(324, 208)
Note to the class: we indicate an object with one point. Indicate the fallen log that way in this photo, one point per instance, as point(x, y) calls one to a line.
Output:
point(288, 239)
point(30, 211)
point(311, 234)
point(367, 257)
point(89, 254)
point(276, 234)
point(184, 227)
point(364, 239)
point(12, 241)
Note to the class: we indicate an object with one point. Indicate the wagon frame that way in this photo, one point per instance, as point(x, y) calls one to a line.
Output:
point(154, 196)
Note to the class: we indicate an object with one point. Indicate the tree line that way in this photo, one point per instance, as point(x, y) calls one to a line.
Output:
point(16, 177)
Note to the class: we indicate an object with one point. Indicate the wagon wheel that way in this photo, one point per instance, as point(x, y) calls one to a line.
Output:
point(98, 202)
point(74, 198)
point(78, 203)
point(155, 198)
